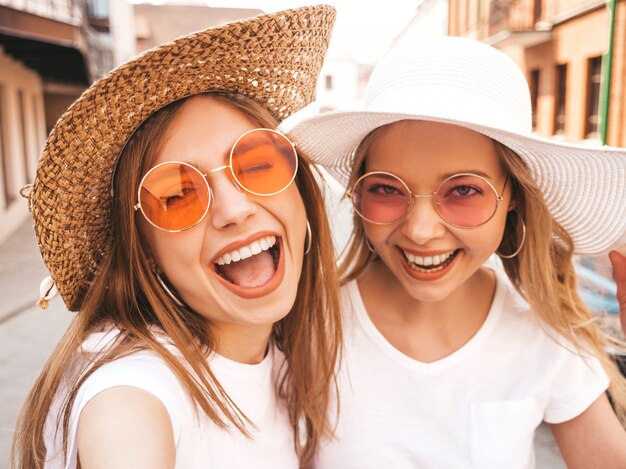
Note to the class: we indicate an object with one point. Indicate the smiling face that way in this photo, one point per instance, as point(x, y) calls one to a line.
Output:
point(429, 257)
point(240, 265)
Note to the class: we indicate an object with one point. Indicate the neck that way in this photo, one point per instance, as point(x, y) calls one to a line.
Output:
point(243, 344)
point(426, 330)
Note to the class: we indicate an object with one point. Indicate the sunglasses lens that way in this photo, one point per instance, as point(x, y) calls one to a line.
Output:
point(174, 196)
point(381, 198)
point(264, 162)
point(466, 201)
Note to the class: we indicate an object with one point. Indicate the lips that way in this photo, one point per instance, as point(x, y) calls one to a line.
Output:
point(253, 267)
point(431, 266)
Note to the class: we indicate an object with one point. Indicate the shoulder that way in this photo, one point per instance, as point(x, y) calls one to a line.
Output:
point(519, 328)
point(525, 324)
point(575, 376)
point(143, 369)
point(126, 426)
point(121, 390)
point(515, 312)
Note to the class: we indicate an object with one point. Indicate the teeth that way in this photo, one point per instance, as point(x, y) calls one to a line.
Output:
point(432, 262)
point(250, 250)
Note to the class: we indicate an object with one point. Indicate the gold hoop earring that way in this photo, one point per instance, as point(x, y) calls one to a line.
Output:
point(521, 244)
point(309, 238)
point(369, 245)
point(169, 292)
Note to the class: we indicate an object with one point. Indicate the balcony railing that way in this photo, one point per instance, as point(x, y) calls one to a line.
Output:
point(513, 15)
point(67, 11)
point(53, 31)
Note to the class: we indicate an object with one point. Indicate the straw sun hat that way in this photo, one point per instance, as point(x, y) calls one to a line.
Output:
point(470, 84)
point(274, 59)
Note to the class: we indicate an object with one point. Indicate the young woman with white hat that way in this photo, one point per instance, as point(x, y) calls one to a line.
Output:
point(178, 225)
point(448, 362)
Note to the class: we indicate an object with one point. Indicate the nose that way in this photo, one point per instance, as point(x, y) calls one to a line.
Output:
point(231, 205)
point(422, 222)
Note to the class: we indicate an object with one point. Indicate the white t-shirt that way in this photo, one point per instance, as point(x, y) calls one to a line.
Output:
point(476, 408)
point(199, 442)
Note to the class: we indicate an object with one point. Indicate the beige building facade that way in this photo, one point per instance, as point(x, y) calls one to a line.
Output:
point(559, 45)
point(50, 50)
point(22, 134)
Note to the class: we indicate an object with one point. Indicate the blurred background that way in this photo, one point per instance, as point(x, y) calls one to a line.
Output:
point(573, 53)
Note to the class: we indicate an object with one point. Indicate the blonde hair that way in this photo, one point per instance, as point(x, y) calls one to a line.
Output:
point(543, 272)
point(125, 293)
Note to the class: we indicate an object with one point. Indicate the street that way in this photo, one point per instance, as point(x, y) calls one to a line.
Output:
point(28, 334)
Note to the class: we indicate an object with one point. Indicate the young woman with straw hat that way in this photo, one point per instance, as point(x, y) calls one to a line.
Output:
point(178, 224)
point(448, 362)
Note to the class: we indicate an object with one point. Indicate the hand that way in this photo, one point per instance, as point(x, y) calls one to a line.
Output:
point(618, 261)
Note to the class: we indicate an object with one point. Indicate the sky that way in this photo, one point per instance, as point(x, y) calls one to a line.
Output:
point(365, 29)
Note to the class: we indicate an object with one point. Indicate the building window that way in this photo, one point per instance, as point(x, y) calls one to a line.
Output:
point(328, 82)
point(593, 97)
point(534, 94)
point(98, 8)
point(5, 157)
point(559, 98)
point(537, 11)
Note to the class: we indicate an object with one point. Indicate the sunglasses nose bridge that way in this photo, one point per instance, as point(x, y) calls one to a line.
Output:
point(230, 176)
point(422, 196)
point(215, 170)
point(422, 223)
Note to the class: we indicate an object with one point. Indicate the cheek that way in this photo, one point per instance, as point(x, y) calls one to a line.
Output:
point(290, 211)
point(485, 238)
point(377, 233)
point(173, 253)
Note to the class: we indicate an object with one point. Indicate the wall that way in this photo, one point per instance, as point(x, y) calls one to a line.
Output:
point(22, 137)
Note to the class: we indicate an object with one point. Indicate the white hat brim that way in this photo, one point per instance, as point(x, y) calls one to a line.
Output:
point(584, 187)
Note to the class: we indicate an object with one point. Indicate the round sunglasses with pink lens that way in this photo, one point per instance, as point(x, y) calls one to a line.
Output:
point(463, 200)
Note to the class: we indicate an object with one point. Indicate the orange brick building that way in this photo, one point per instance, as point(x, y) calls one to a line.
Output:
point(559, 44)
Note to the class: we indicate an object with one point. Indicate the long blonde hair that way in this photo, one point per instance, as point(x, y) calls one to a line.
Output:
point(126, 294)
point(543, 272)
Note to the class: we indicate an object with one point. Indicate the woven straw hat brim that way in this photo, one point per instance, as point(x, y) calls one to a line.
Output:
point(274, 59)
point(585, 188)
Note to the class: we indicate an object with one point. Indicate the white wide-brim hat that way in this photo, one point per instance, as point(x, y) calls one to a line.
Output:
point(468, 83)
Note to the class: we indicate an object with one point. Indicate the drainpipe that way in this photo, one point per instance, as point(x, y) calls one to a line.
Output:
point(605, 84)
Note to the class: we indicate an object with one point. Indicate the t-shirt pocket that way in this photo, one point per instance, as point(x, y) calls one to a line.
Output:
point(502, 433)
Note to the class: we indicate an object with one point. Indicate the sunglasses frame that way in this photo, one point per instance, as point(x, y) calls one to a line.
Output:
point(499, 197)
point(138, 206)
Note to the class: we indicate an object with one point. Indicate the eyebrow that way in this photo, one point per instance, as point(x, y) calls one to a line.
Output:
point(477, 172)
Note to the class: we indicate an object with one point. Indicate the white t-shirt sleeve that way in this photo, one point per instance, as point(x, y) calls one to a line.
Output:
point(146, 373)
point(577, 382)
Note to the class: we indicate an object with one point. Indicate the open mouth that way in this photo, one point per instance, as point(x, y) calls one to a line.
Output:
point(430, 264)
point(250, 266)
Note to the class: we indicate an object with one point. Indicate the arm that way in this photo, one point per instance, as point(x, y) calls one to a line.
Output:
point(594, 439)
point(618, 261)
point(125, 427)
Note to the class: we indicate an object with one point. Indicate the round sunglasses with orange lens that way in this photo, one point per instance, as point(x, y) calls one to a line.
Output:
point(175, 196)
point(463, 200)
